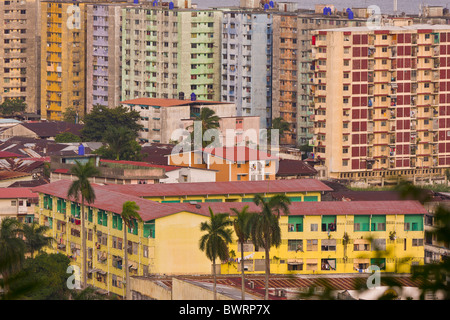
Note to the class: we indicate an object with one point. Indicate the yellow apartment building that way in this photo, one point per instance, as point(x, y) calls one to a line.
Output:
point(166, 242)
point(62, 58)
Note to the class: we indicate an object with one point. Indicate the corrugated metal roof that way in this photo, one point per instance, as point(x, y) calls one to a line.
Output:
point(112, 201)
point(221, 187)
point(13, 193)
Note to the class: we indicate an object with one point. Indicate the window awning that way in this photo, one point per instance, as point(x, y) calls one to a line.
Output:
point(93, 270)
point(101, 271)
point(361, 241)
point(311, 261)
point(294, 261)
point(361, 260)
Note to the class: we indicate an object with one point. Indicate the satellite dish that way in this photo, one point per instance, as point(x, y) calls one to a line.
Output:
point(198, 206)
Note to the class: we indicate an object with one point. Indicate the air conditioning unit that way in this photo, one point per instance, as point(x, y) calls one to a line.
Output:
point(252, 285)
point(280, 293)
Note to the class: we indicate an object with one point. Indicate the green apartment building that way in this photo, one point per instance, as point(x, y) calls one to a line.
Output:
point(169, 50)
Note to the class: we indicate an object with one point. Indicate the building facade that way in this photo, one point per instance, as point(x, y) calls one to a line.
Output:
point(246, 63)
point(104, 54)
point(170, 52)
point(381, 101)
point(166, 242)
point(20, 52)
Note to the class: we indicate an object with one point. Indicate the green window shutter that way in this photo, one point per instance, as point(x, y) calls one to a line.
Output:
point(45, 202)
point(363, 221)
point(149, 229)
point(376, 222)
point(72, 209)
point(295, 223)
point(58, 205)
point(50, 222)
point(50, 202)
point(170, 201)
point(119, 223)
point(296, 199)
point(64, 205)
point(99, 216)
point(247, 199)
point(310, 198)
point(197, 200)
point(415, 221)
point(329, 223)
point(78, 211)
point(90, 214)
point(114, 221)
point(105, 219)
point(217, 200)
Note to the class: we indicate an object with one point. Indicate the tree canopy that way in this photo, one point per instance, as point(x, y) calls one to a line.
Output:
point(101, 118)
point(12, 106)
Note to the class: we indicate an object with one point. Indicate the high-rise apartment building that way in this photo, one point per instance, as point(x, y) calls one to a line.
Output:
point(246, 63)
point(170, 51)
point(382, 101)
point(63, 59)
point(103, 53)
point(19, 52)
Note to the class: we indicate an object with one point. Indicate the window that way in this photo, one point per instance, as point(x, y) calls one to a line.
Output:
point(314, 227)
point(328, 245)
point(311, 245)
point(295, 245)
point(378, 244)
point(417, 242)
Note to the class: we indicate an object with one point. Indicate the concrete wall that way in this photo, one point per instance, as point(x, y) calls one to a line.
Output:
point(192, 175)
point(183, 290)
point(150, 288)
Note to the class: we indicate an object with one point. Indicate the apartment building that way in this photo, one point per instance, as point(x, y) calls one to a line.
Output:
point(246, 62)
point(386, 235)
point(170, 51)
point(104, 54)
point(63, 58)
point(20, 52)
point(162, 117)
point(381, 102)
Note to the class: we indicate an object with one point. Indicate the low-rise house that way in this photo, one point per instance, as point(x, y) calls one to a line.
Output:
point(18, 203)
point(232, 163)
point(41, 130)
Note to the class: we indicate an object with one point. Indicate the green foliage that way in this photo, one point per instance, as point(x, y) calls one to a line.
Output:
point(209, 120)
point(35, 238)
point(215, 242)
point(121, 145)
point(71, 115)
point(67, 137)
point(82, 186)
point(47, 273)
point(101, 118)
point(12, 106)
point(12, 247)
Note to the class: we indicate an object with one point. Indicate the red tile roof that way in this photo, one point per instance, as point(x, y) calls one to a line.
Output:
point(288, 167)
point(220, 187)
point(325, 207)
point(240, 154)
point(13, 193)
point(167, 102)
point(113, 201)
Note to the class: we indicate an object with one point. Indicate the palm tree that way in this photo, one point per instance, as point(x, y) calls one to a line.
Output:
point(12, 249)
point(266, 231)
point(129, 215)
point(209, 120)
point(35, 238)
point(242, 226)
point(215, 242)
point(82, 187)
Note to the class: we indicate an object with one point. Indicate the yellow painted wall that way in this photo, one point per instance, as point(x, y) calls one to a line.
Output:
point(174, 250)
